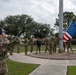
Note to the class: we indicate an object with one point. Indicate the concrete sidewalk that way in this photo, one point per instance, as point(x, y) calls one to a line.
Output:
point(51, 67)
point(47, 66)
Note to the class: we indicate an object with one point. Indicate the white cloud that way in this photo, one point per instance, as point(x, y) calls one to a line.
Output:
point(44, 11)
point(70, 5)
point(67, 5)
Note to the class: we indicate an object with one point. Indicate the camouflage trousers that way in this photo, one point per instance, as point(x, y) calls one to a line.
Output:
point(3, 66)
point(26, 49)
point(46, 48)
point(69, 48)
point(38, 48)
point(51, 48)
point(31, 48)
point(18, 48)
point(3, 69)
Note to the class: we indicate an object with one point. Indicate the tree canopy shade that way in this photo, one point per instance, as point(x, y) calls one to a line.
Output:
point(24, 24)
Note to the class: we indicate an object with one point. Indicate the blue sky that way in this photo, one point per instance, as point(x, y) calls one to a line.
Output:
point(43, 11)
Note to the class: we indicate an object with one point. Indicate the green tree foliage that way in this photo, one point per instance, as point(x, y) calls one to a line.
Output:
point(67, 18)
point(42, 30)
point(24, 25)
point(16, 25)
point(1, 24)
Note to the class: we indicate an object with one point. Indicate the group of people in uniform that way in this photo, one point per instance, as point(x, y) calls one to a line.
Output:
point(15, 42)
point(49, 43)
point(31, 41)
point(7, 44)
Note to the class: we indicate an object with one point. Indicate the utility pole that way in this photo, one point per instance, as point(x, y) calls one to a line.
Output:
point(60, 26)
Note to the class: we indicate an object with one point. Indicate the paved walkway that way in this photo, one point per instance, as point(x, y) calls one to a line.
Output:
point(47, 66)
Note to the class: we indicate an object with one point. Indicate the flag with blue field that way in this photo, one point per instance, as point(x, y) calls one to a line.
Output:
point(71, 31)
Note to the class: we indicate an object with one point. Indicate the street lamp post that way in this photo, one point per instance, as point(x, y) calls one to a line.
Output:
point(60, 26)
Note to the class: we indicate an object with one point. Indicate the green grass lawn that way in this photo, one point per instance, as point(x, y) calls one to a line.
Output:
point(71, 70)
point(42, 48)
point(22, 48)
point(16, 68)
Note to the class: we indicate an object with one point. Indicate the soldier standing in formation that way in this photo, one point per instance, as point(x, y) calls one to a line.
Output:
point(10, 46)
point(31, 45)
point(64, 45)
point(3, 55)
point(46, 44)
point(17, 44)
point(55, 40)
point(69, 45)
point(51, 44)
point(26, 45)
point(38, 45)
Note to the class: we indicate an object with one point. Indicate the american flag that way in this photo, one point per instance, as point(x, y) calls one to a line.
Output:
point(71, 31)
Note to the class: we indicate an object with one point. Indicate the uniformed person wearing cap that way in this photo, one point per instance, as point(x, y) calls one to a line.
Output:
point(26, 45)
point(3, 55)
point(31, 45)
point(46, 44)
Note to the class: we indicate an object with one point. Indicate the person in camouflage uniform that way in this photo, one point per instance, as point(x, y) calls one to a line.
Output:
point(55, 41)
point(51, 44)
point(3, 55)
point(46, 44)
point(38, 45)
point(64, 46)
point(26, 45)
point(10, 46)
point(31, 45)
point(69, 45)
point(17, 43)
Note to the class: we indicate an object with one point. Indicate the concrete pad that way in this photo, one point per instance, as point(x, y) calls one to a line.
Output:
point(50, 70)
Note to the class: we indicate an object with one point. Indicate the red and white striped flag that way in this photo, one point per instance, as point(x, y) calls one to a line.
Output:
point(66, 37)
point(70, 32)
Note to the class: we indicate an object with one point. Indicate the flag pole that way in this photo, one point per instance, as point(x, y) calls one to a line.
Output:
point(60, 26)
